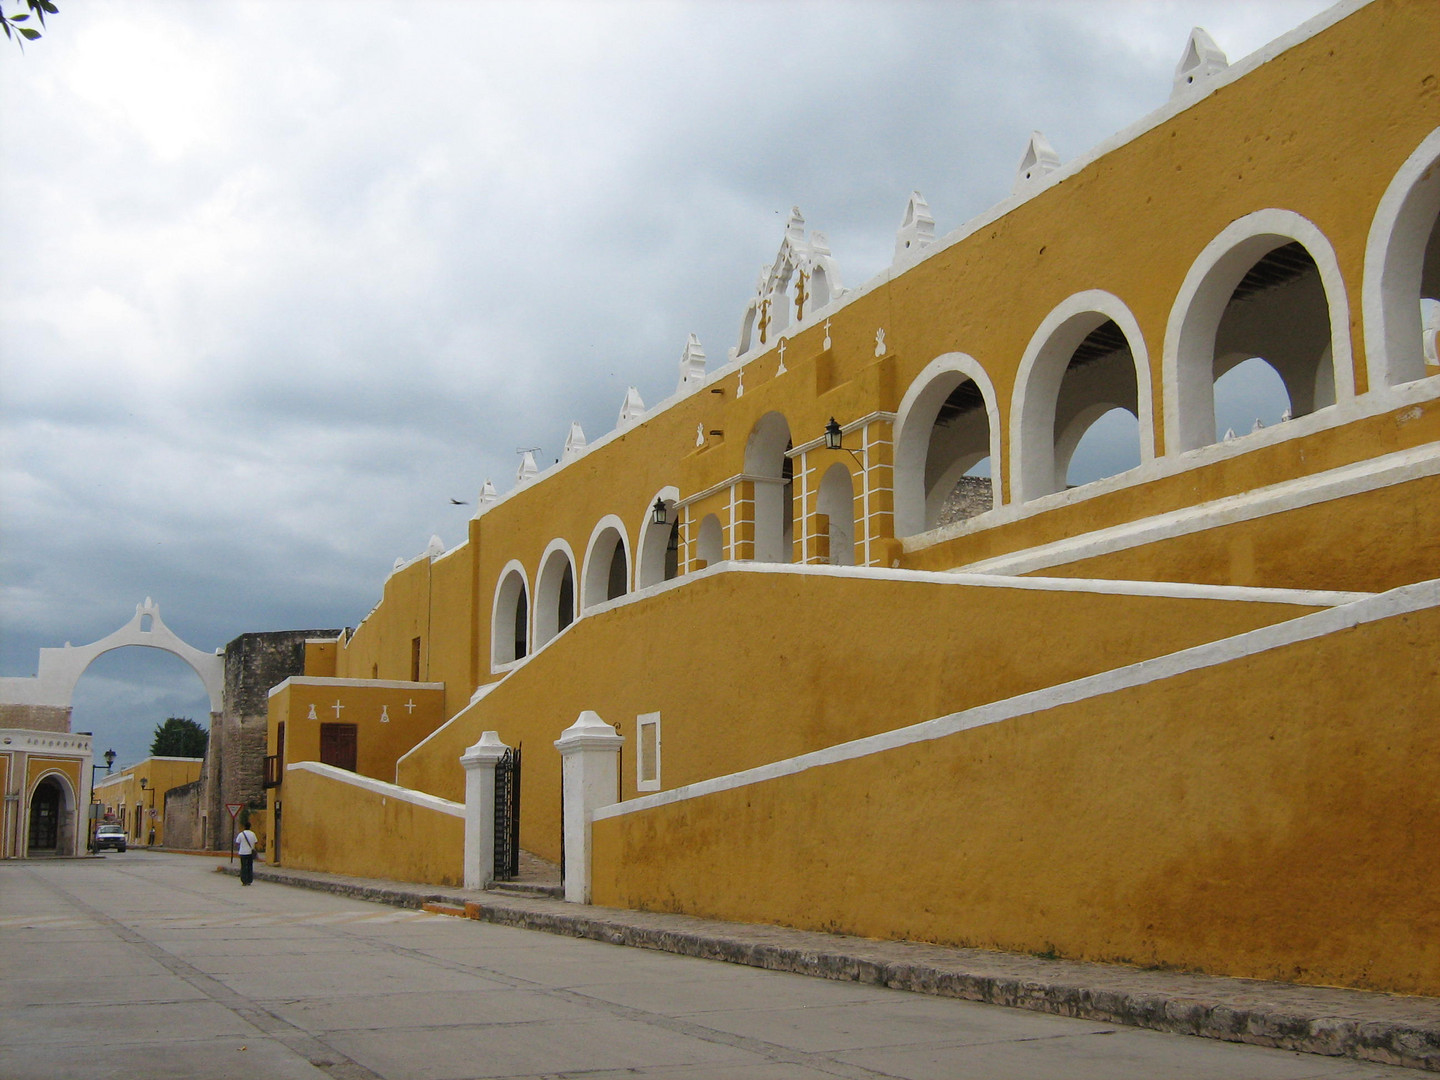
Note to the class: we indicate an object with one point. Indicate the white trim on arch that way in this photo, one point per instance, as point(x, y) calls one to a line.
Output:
point(649, 568)
point(1394, 254)
point(1188, 361)
point(544, 615)
point(1038, 382)
point(497, 655)
point(78, 839)
point(588, 583)
point(912, 438)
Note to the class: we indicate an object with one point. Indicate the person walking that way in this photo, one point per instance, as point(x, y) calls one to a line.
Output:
point(245, 843)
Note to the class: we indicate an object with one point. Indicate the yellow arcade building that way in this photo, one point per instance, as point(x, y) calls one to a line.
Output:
point(892, 675)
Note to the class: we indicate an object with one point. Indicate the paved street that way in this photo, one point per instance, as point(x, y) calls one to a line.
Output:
point(148, 965)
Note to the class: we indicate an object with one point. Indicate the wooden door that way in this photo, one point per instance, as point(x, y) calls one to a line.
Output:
point(337, 745)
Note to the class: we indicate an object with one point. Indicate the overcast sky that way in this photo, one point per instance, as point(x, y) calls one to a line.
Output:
point(279, 280)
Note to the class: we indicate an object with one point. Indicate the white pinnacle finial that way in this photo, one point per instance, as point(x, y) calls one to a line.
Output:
point(528, 469)
point(692, 365)
point(917, 231)
point(1201, 59)
point(795, 227)
point(488, 494)
point(1039, 159)
point(574, 443)
point(632, 409)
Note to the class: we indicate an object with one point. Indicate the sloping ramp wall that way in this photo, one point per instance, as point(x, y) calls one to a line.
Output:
point(341, 823)
point(1262, 806)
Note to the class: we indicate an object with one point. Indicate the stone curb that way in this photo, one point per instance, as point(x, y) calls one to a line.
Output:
point(1235, 1010)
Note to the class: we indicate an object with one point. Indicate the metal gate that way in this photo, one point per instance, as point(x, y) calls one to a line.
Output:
point(507, 816)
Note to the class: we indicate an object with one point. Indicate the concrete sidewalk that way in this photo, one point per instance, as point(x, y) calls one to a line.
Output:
point(1381, 1028)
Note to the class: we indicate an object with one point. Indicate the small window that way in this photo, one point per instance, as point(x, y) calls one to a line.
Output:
point(647, 753)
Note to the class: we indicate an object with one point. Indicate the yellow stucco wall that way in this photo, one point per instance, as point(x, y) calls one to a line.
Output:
point(123, 790)
point(379, 742)
point(337, 827)
point(1385, 538)
point(1270, 817)
point(809, 660)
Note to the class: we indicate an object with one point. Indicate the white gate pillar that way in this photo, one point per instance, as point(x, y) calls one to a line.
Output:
point(479, 762)
point(589, 779)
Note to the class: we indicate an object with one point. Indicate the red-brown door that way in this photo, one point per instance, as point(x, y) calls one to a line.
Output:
point(337, 745)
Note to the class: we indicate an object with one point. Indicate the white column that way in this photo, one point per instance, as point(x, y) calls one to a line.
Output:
point(479, 762)
point(590, 778)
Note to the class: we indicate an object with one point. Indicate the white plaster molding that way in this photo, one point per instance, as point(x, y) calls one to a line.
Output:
point(298, 681)
point(590, 777)
point(585, 584)
point(860, 423)
point(650, 559)
point(574, 443)
point(1039, 379)
point(913, 422)
point(479, 763)
point(692, 367)
point(1369, 475)
point(380, 787)
point(1038, 161)
point(1394, 252)
point(1201, 59)
point(1188, 360)
point(60, 669)
point(917, 230)
point(44, 742)
point(549, 575)
point(514, 566)
point(528, 470)
point(632, 409)
point(1398, 602)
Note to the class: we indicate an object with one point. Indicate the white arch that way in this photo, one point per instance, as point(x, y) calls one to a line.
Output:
point(60, 669)
point(1394, 254)
point(710, 541)
point(502, 614)
point(593, 586)
point(765, 457)
point(913, 421)
point(545, 614)
point(1188, 372)
point(1033, 465)
point(654, 539)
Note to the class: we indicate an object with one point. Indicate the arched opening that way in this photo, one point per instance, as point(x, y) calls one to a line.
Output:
point(1249, 396)
point(554, 592)
point(1086, 359)
point(1267, 287)
point(510, 617)
point(125, 693)
point(946, 444)
point(51, 825)
point(767, 462)
point(1109, 445)
point(836, 507)
point(607, 565)
point(659, 558)
point(709, 547)
point(1402, 273)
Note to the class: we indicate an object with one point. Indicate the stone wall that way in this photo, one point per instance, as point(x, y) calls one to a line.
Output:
point(234, 769)
point(36, 717)
point(182, 817)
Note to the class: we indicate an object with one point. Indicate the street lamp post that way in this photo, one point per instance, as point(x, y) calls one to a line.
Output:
point(94, 801)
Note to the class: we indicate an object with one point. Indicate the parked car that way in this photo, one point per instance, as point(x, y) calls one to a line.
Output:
point(110, 836)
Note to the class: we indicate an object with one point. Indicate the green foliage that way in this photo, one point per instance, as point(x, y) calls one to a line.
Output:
point(179, 736)
point(12, 24)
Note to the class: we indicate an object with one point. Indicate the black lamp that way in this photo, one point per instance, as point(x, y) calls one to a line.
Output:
point(659, 513)
point(109, 760)
point(833, 435)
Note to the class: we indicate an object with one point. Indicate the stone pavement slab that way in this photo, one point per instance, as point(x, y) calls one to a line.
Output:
point(1392, 1029)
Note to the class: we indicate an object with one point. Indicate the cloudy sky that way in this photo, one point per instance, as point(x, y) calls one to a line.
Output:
point(279, 280)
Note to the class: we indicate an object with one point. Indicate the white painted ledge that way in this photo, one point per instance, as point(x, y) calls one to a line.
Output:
point(380, 787)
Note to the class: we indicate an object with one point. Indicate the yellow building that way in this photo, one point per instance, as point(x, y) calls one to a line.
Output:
point(877, 667)
point(135, 797)
point(45, 778)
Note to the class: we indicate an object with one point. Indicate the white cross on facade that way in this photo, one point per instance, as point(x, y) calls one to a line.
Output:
point(781, 369)
point(410, 706)
point(337, 707)
point(826, 343)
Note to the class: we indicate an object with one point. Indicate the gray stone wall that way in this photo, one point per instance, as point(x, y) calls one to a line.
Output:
point(182, 817)
point(972, 495)
point(234, 770)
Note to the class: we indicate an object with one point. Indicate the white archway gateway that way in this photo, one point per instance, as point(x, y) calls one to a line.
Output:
point(60, 669)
